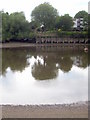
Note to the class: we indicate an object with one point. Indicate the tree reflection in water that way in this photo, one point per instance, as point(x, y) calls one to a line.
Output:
point(58, 60)
point(14, 58)
point(54, 60)
point(45, 71)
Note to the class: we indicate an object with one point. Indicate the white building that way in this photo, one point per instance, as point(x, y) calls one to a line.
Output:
point(78, 24)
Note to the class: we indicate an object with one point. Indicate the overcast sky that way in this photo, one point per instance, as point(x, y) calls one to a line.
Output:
point(63, 6)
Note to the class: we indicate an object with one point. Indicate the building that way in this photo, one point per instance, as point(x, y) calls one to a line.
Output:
point(78, 24)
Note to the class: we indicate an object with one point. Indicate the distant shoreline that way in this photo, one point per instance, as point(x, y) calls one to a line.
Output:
point(79, 110)
point(21, 44)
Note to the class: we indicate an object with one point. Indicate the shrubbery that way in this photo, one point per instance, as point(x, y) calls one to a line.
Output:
point(73, 34)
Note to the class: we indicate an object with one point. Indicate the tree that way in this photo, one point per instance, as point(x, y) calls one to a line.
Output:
point(33, 25)
point(57, 25)
point(14, 26)
point(81, 14)
point(45, 15)
point(0, 26)
point(19, 26)
point(89, 27)
point(65, 22)
point(5, 26)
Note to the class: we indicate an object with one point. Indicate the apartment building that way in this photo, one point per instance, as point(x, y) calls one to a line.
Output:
point(78, 24)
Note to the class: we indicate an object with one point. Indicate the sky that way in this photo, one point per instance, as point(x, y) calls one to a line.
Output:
point(70, 7)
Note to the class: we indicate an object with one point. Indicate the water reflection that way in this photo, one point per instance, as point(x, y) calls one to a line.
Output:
point(44, 75)
point(18, 60)
point(13, 58)
point(47, 70)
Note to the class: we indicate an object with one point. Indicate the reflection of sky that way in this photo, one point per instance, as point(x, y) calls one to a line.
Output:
point(22, 88)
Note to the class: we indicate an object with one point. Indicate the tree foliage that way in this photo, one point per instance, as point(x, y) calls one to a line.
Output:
point(0, 26)
point(45, 14)
point(14, 26)
point(64, 22)
point(81, 14)
point(89, 26)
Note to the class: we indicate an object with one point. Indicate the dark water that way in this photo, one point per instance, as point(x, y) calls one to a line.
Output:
point(44, 75)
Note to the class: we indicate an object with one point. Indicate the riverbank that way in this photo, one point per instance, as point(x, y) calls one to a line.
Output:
point(78, 110)
point(19, 44)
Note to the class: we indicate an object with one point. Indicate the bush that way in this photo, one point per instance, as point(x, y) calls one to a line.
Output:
point(73, 34)
point(31, 35)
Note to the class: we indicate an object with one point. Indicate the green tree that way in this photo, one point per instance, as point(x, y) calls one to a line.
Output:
point(45, 14)
point(19, 25)
point(65, 22)
point(81, 14)
point(14, 26)
point(89, 27)
point(5, 26)
point(57, 25)
point(0, 26)
point(33, 25)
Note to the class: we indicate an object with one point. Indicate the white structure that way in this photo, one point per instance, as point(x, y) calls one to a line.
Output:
point(78, 24)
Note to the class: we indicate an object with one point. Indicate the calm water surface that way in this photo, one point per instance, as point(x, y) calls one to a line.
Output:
point(44, 75)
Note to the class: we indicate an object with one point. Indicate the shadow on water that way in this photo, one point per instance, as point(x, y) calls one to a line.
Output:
point(54, 58)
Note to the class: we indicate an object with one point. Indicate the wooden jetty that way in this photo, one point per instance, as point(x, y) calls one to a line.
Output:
point(56, 39)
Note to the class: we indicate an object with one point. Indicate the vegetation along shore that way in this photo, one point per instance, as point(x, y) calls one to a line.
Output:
point(45, 23)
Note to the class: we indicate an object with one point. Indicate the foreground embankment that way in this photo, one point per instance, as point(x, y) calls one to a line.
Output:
point(79, 110)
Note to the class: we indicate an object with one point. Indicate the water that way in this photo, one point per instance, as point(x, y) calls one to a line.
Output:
point(44, 75)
